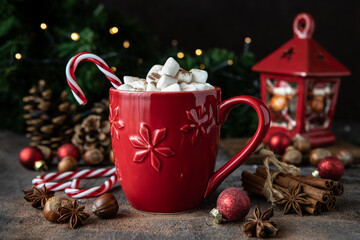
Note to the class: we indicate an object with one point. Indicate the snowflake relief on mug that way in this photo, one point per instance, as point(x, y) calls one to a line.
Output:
point(116, 123)
point(148, 144)
point(199, 122)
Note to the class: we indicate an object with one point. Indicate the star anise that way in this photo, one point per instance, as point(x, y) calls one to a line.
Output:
point(38, 196)
point(260, 225)
point(294, 198)
point(74, 214)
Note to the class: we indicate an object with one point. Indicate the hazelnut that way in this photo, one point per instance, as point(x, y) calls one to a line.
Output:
point(292, 156)
point(105, 206)
point(346, 157)
point(301, 144)
point(93, 157)
point(51, 208)
point(111, 156)
point(317, 155)
point(67, 164)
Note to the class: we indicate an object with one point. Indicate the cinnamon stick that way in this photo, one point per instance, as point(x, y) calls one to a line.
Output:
point(285, 181)
point(315, 182)
point(252, 188)
point(253, 180)
point(312, 210)
point(252, 184)
point(314, 203)
point(338, 189)
point(314, 207)
point(331, 204)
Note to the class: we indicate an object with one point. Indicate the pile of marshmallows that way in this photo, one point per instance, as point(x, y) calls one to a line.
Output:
point(168, 78)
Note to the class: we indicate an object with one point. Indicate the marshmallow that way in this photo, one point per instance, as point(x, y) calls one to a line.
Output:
point(153, 75)
point(165, 81)
point(209, 86)
point(199, 76)
point(139, 84)
point(125, 87)
point(188, 87)
point(151, 88)
point(135, 82)
point(203, 86)
point(172, 88)
point(168, 78)
point(171, 67)
point(196, 86)
point(130, 79)
point(184, 76)
point(183, 84)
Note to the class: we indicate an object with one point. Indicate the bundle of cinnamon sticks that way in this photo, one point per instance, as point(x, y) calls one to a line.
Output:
point(319, 192)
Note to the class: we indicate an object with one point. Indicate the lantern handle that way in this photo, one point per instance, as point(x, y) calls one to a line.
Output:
point(303, 26)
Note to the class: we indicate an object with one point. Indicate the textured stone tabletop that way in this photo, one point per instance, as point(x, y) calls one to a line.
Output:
point(18, 220)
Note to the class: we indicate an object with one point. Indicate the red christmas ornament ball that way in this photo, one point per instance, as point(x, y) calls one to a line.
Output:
point(68, 150)
point(278, 142)
point(331, 168)
point(233, 204)
point(29, 155)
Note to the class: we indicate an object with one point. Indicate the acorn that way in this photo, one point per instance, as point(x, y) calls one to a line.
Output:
point(346, 157)
point(93, 157)
point(51, 208)
point(67, 164)
point(105, 206)
point(301, 144)
point(318, 154)
point(292, 156)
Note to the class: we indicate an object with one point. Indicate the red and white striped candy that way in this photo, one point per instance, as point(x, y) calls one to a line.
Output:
point(89, 57)
point(92, 192)
point(71, 187)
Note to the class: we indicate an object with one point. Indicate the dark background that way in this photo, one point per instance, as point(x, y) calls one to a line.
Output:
point(225, 24)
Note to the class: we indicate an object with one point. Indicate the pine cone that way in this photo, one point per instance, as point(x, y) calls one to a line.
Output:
point(102, 109)
point(93, 133)
point(50, 120)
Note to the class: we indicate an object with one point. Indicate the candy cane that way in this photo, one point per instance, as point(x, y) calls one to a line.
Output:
point(70, 74)
point(71, 187)
point(92, 192)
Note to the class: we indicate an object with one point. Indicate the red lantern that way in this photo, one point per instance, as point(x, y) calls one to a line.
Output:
point(300, 83)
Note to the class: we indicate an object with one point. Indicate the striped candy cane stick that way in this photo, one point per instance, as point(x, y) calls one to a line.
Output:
point(71, 187)
point(91, 192)
point(70, 74)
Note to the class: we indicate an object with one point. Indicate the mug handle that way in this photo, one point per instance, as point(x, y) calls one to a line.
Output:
point(224, 109)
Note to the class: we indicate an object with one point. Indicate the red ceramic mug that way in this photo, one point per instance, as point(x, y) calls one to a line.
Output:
point(165, 145)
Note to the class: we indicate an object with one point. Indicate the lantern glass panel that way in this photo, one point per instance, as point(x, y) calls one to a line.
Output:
point(281, 97)
point(319, 101)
